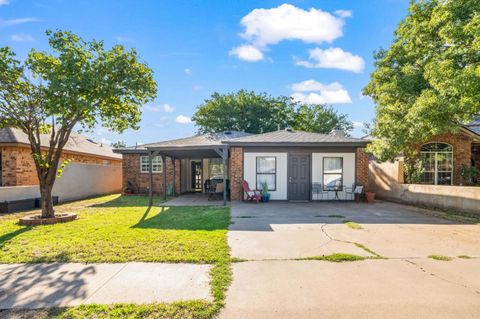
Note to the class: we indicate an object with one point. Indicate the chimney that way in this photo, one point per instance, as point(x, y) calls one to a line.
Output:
point(338, 132)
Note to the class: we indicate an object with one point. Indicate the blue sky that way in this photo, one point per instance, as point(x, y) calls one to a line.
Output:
point(316, 51)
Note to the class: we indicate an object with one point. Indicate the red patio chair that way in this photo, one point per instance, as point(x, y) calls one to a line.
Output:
point(251, 194)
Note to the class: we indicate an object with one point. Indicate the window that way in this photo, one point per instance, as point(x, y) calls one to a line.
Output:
point(332, 172)
point(267, 172)
point(437, 161)
point(156, 164)
point(215, 168)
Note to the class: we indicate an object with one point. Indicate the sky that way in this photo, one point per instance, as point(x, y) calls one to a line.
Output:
point(315, 51)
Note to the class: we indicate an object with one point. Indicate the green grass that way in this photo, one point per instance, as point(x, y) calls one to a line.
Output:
point(352, 225)
point(120, 229)
point(464, 257)
point(368, 250)
point(440, 257)
point(336, 257)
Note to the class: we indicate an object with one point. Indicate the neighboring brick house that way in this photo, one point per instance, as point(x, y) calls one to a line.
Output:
point(295, 165)
point(443, 157)
point(16, 163)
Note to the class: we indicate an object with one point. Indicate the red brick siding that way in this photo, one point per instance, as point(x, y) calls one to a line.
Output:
point(236, 173)
point(462, 152)
point(18, 167)
point(361, 168)
point(141, 181)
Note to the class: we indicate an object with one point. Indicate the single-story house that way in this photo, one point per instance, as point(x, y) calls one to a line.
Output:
point(16, 163)
point(296, 165)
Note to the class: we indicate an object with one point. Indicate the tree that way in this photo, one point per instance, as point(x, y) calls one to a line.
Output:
point(428, 82)
point(320, 119)
point(258, 112)
point(119, 144)
point(244, 111)
point(79, 83)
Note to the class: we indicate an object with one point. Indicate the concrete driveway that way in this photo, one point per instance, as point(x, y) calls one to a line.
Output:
point(407, 284)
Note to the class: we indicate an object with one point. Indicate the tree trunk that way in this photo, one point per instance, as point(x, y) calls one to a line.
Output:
point(46, 202)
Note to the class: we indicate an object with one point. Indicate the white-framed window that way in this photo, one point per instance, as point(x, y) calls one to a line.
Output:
point(266, 172)
point(332, 172)
point(156, 164)
point(437, 161)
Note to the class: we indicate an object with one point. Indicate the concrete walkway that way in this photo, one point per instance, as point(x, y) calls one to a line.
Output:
point(33, 286)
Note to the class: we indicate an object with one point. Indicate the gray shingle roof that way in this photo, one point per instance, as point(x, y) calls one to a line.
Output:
point(76, 143)
point(211, 139)
point(298, 138)
point(474, 126)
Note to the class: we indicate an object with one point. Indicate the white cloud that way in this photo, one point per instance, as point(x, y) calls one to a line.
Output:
point(247, 52)
point(357, 124)
point(12, 22)
point(344, 13)
point(196, 88)
point(152, 108)
point(264, 27)
point(182, 119)
point(21, 37)
point(333, 58)
point(103, 140)
point(313, 92)
point(3, 2)
point(168, 108)
point(287, 22)
point(187, 71)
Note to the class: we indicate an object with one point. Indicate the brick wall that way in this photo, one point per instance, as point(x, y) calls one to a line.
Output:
point(361, 168)
point(141, 181)
point(236, 173)
point(18, 167)
point(462, 152)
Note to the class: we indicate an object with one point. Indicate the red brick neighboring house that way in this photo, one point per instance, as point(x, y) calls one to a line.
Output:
point(444, 155)
point(295, 165)
point(16, 163)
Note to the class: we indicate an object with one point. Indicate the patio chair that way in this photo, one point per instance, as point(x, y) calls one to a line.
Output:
point(355, 190)
point(317, 189)
point(251, 194)
point(216, 193)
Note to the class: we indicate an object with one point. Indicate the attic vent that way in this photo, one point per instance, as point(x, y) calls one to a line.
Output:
point(289, 129)
point(227, 132)
point(91, 141)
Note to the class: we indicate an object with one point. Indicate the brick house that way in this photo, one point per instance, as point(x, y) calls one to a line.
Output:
point(294, 165)
point(16, 163)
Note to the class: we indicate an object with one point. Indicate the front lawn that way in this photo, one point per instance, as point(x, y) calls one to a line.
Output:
point(120, 229)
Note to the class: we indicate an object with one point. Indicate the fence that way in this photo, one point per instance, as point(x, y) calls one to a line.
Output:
point(386, 180)
point(78, 181)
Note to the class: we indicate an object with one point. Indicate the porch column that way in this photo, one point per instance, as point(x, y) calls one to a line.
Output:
point(150, 179)
point(224, 163)
point(164, 165)
point(174, 192)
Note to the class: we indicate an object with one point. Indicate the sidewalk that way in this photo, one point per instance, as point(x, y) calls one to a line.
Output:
point(56, 285)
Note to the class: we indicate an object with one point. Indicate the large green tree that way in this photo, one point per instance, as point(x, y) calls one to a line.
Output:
point(428, 81)
point(258, 112)
point(78, 83)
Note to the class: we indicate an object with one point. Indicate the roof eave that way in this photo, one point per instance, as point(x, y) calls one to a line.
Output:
point(299, 144)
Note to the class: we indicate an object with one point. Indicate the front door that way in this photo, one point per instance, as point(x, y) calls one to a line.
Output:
point(299, 177)
point(197, 176)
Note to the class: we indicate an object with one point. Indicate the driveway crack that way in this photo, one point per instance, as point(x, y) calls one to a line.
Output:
point(441, 278)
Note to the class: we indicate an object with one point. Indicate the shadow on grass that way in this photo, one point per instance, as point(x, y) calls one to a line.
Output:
point(9, 236)
point(186, 218)
point(129, 201)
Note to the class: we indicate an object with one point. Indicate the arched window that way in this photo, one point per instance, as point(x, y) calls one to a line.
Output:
point(437, 159)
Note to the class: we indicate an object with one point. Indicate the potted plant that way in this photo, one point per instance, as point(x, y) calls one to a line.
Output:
point(370, 197)
point(265, 193)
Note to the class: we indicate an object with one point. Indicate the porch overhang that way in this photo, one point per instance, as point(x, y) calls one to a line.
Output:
point(189, 152)
point(186, 152)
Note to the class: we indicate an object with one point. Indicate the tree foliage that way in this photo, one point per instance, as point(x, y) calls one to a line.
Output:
point(77, 83)
point(428, 81)
point(258, 112)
